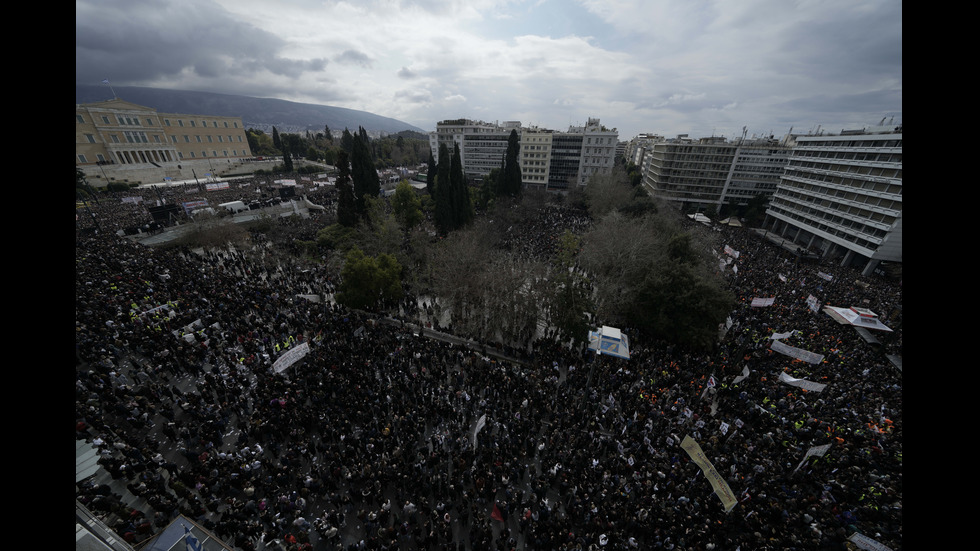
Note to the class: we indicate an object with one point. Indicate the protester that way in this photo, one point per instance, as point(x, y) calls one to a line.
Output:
point(371, 440)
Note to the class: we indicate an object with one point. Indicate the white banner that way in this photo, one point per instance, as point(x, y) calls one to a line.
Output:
point(290, 357)
point(762, 302)
point(798, 353)
point(745, 373)
point(721, 488)
point(804, 384)
point(781, 336)
point(731, 252)
point(828, 277)
point(818, 451)
point(864, 542)
point(811, 301)
point(479, 426)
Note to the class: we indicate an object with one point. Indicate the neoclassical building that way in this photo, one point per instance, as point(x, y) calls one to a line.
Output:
point(135, 139)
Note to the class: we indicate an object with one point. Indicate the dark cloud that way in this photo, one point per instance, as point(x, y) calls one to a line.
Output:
point(407, 73)
point(354, 57)
point(134, 42)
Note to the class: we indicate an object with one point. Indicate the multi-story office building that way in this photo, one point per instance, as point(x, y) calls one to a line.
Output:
point(535, 159)
point(125, 136)
point(598, 149)
point(712, 173)
point(637, 147)
point(841, 196)
point(549, 159)
point(482, 145)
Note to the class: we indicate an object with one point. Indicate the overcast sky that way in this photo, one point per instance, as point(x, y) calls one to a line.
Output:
point(697, 67)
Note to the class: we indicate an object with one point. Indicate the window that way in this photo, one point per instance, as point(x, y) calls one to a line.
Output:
point(166, 122)
point(81, 159)
point(79, 119)
point(90, 138)
point(193, 124)
point(180, 123)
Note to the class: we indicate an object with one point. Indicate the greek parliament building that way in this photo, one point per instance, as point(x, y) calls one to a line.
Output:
point(121, 141)
point(549, 159)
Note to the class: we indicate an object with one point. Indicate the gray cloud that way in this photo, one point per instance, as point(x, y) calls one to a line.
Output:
point(354, 57)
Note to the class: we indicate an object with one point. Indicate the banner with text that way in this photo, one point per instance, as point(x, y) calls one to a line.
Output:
point(721, 488)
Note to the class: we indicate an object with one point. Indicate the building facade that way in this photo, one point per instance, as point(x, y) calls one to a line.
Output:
point(712, 173)
point(117, 135)
point(551, 160)
point(482, 145)
point(841, 197)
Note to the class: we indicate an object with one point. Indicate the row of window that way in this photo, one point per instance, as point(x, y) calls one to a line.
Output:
point(859, 239)
point(141, 137)
point(126, 120)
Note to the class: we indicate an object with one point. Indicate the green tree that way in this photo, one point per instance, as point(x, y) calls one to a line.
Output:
point(430, 175)
point(326, 134)
point(462, 205)
point(276, 139)
point(443, 215)
point(755, 211)
point(406, 206)
point(366, 180)
point(346, 204)
point(653, 275)
point(570, 301)
point(347, 141)
point(511, 179)
point(366, 281)
point(287, 161)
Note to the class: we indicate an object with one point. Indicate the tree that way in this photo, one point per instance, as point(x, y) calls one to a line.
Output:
point(651, 274)
point(570, 300)
point(462, 206)
point(511, 180)
point(443, 216)
point(367, 281)
point(287, 161)
point(366, 180)
point(326, 134)
point(430, 176)
point(347, 142)
point(406, 206)
point(346, 204)
point(276, 140)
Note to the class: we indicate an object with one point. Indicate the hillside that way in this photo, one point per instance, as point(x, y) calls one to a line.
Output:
point(258, 113)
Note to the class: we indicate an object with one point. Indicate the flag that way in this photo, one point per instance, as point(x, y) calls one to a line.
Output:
point(496, 514)
point(105, 81)
point(191, 542)
point(711, 381)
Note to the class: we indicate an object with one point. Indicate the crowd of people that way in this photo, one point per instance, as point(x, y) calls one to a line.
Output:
point(387, 437)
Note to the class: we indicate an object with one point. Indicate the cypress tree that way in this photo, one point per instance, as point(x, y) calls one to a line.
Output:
point(443, 216)
point(511, 183)
point(430, 176)
point(346, 209)
point(462, 206)
point(366, 181)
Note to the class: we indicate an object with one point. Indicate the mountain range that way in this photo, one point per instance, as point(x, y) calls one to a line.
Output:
point(259, 113)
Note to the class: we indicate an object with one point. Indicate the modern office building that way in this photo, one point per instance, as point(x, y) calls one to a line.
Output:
point(482, 145)
point(841, 196)
point(549, 159)
point(713, 172)
point(116, 137)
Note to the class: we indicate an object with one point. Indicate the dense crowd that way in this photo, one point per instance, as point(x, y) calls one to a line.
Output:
point(374, 439)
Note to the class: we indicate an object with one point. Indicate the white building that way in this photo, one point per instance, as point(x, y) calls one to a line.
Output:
point(549, 159)
point(482, 145)
point(712, 173)
point(841, 196)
